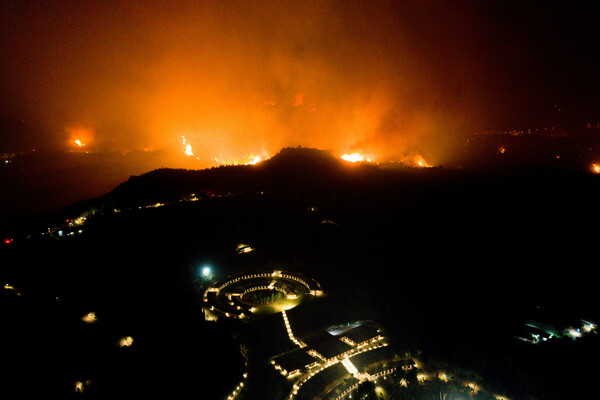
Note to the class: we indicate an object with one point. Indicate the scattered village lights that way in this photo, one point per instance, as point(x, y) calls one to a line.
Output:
point(588, 326)
point(11, 288)
point(243, 248)
point(89, 318)
point(80, 386)
point(126, 341)
point(573, 333)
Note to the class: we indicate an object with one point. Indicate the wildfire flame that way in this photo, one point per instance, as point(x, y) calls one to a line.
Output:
point(596, 168)
point(80, 136)
point(354, 157)
point(252, 160)
point(188, 147)
point(420, 162)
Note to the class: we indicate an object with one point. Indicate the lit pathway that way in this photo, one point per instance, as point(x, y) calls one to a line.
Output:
point(354, 371)
point(289, 331)
point(381, 342)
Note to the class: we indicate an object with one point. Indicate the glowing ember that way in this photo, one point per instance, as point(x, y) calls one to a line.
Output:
point(188, 147)
point(80, 136)
point(420, 161)
point(354, 157)
point(415, 160)
point(254, 160)
point(596, 168)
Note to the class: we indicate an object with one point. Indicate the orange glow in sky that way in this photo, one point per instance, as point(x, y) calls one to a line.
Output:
point(240, 80)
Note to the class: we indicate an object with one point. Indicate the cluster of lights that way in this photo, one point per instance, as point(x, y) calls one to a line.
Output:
point(80, 386)
point(422, 377)
point(126, 341)
point(320, 367)
point(89, 318)
point(575, 333)
point(12, 289)
point(348, 392)
point(216, 306)
point(243, 249)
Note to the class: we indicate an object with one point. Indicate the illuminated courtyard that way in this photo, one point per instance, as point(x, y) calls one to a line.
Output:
point(331, 363)
point(243, 295)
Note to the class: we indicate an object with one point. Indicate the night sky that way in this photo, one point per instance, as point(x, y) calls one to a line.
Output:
point(236, 80)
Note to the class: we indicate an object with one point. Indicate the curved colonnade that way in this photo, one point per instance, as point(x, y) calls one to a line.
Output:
point(230, 298)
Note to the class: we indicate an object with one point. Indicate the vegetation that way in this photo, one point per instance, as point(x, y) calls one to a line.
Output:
point(266, 296)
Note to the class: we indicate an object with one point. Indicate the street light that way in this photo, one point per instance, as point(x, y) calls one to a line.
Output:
point(206, 273)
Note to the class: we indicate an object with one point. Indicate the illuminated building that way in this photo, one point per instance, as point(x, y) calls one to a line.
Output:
point(231, 297)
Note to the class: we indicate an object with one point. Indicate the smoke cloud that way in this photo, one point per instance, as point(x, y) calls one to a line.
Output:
point(239, 78)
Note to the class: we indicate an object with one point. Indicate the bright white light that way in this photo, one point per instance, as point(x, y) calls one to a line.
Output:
point(206, 272)
point(574, 333)
point(254, 160)
point(588, 326)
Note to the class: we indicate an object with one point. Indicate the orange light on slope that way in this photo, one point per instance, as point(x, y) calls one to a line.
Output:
point(420, 162)
point(80, 136)
point(251, 160)
point(353, 157)
point(254, 160)
point(595, 168)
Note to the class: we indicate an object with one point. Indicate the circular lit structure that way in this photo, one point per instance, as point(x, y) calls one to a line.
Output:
point(243, 295)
